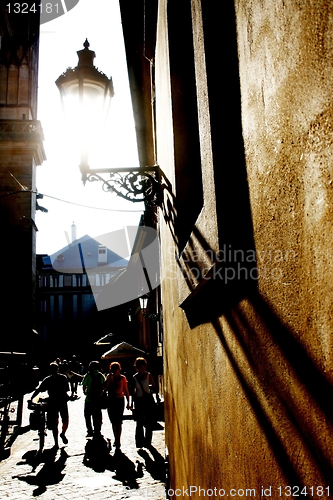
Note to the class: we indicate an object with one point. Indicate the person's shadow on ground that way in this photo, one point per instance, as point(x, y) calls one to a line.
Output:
point(97, 453)
point(98, 457)
point(154, 463)
point(125, 470)
point(50, 473)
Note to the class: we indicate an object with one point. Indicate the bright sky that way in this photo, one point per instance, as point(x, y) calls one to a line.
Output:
point(59, 177)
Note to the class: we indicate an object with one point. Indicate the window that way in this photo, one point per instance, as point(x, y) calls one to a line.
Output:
point(75, 306)
point(60, 306)
point(67, 280)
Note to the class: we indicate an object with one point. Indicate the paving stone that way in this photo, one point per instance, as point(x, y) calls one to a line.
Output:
point(136, 474)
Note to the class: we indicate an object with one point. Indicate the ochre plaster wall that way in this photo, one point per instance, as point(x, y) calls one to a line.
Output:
point(286, 80)
point(248, 392)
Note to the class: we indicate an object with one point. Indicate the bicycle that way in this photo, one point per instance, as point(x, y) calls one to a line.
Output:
point(37, 419)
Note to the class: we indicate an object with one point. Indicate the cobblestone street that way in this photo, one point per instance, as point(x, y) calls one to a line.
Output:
point(67, 474)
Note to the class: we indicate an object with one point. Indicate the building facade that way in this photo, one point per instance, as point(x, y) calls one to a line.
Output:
point(21, 151)
point(69, 282)
point(234, 105)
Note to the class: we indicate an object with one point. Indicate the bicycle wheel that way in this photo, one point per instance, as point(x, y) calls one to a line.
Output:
point(41, 431)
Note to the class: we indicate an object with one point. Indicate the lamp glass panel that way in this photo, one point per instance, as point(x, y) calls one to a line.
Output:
point(143, 303)
point(86, 108)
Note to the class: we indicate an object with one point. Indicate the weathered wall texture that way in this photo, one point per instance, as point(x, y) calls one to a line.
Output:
point(286, 79)
point(248, 362)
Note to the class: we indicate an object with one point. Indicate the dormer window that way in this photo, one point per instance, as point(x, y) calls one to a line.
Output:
point(102, 254)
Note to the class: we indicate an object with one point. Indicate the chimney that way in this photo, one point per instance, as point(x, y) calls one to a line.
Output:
point(73, 228)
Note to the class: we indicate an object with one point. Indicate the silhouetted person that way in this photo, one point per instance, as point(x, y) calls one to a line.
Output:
point(56, 385)
point(74, 368)
point(92, 384)
point(117, 389)
point(144, 404)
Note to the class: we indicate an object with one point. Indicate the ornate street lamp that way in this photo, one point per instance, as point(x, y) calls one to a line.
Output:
point(144, 300)
point(144, 304)
point(86, 94)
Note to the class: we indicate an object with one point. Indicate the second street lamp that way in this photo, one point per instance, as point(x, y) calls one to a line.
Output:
point(144, 304)
point(86, 94)
point(144, 301)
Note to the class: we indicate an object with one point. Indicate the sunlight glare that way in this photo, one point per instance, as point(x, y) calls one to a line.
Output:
point(59, 177)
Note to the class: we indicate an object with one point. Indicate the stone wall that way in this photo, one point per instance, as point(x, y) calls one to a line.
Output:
point(247, 301)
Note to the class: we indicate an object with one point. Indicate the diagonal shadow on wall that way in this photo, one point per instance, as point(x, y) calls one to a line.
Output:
point(288, 394)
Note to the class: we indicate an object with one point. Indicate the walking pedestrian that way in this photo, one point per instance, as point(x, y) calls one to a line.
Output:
point(117, 390)
point(74, 368)
point(92, 384)
point(63, 367)
point(143, 404)
point(56, 384)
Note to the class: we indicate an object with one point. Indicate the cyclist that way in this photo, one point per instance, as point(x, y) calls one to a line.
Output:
point(56, 384)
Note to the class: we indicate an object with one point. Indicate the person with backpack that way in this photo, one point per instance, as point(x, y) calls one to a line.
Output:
point(144, 403)
point(92, 384)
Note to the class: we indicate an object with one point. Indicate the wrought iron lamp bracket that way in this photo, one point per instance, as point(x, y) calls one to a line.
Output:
point(132, 184)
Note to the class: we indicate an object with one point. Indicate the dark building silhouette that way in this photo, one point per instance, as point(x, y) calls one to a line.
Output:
point(21, 151)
